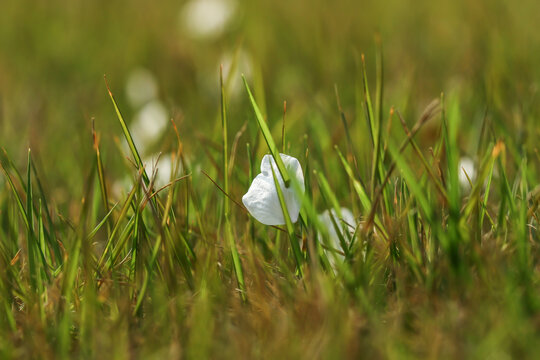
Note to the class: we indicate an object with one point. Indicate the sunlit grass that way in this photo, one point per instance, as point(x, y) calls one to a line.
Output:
point(417, 235)
point(153, 269)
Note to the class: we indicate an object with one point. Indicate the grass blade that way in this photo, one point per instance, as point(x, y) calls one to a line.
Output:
point(268, 137)
point(289, 225)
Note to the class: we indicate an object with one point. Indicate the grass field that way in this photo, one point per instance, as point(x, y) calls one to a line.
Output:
point(123, 230)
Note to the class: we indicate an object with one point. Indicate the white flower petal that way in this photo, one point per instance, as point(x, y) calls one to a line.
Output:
point(347, 222)
point(466, 165)
point(149, 124)
point(234, 64)
point(141, 87)
point(164, 169)
point(206, 18)
point(262, 199)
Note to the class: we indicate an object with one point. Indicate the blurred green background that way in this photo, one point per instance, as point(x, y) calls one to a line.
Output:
point(53, 55)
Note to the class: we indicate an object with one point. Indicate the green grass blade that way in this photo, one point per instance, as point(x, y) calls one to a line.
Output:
point(268, 137)
point(228, 230)
point(53, 243)
point(331, 201)
point(101, 223)
point(101, 176)
point(128, 137)
point(30, 239)
point(123, 213)
point(290, 227)
point(225, 139)
point(412, 182)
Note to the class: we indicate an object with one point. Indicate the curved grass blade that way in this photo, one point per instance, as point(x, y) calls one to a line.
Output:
point(268, 137)
point(128, 137)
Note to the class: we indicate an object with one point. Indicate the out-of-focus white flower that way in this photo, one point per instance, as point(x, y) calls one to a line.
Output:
point(262, 200)
point(466, 165)
point(149, 124)
point(206, 18)
point(346, 223)
point(141, 87)
point(163, 167)
point(234, 64)
point(122, 186)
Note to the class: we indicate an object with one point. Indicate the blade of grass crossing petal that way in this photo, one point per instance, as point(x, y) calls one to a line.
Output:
point(290, 227)
point(309, 215)
point(268, 137)
point(331, 202)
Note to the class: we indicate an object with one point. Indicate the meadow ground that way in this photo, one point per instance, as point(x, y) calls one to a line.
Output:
point(123, 230)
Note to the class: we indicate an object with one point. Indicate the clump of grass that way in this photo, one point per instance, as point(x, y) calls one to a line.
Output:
point(434, 269)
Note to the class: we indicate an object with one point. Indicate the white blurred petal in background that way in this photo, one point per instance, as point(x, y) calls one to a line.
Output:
point(466, 165)
point(206, 18)
point(149, 124)
point(141, 87)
